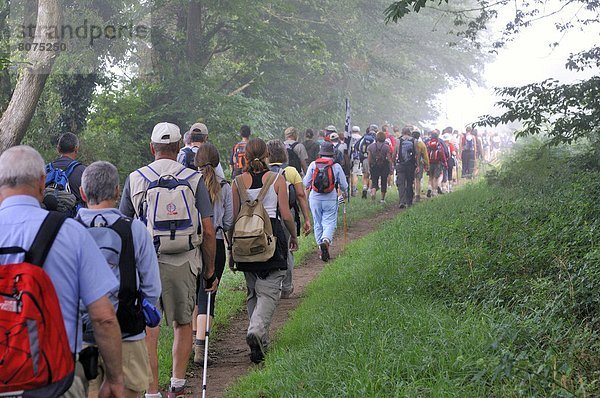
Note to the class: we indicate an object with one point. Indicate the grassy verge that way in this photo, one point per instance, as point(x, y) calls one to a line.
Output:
point(491, 291)
point(232, 290)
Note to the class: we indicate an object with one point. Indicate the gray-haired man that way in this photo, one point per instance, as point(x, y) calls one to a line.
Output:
point(74, 264)
point(100, 190)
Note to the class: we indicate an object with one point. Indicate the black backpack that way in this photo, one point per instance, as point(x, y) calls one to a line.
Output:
point(292, 196)
point(406, 156)
point(363, 144)
point(312, 149)
point(293, 158)
point(129, 313)
point(189, 158)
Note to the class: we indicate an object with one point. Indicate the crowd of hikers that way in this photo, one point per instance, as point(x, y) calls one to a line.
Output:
point(83, 287)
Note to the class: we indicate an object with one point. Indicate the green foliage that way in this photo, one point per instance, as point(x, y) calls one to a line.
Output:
point(567, 112)
point(399, 9)
point(490, 291)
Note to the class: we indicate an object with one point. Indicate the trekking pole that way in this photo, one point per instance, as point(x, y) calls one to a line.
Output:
point(345, 227)
point(206, 346)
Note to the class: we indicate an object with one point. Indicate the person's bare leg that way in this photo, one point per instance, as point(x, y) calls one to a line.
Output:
point(152, 345)
point(201, 322)
point(181, 348)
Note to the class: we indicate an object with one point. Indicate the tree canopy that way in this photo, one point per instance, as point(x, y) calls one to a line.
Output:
point(267, 64)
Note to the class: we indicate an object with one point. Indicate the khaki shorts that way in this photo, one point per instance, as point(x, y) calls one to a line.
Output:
point(178, 297)
point(80, 385)
point(365, 168)
point(136, 368)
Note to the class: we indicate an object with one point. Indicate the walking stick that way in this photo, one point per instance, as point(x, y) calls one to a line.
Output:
point(206, 346)
point(345, 227)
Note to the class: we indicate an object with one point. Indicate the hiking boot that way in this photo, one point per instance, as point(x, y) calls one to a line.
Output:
point(199, 356)
point(178, 392)
point(439, 191)
point(402, 205)
point(325, 250)
point(257, 351)
point(364, 194)
point(285, 294)
point(429, 193)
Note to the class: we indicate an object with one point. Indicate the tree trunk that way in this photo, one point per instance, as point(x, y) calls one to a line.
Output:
point(20, 110)
point(194, 31)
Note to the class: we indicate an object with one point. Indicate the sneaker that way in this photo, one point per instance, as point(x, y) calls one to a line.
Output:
point(199, 356)
point(439, 191)
point(257, 351)
point(364, 194)
point(178, 392)
point(382, 201)
point(325, 250)
point(429, 193)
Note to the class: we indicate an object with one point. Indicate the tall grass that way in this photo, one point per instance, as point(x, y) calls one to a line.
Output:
point(489, 292)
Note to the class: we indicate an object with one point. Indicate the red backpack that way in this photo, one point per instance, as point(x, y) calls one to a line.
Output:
point(35, 357)
point(435, 151)
point(323, 180)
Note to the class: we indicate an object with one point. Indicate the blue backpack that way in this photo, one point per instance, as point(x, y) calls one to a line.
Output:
point(363, 144)
point(58, 191)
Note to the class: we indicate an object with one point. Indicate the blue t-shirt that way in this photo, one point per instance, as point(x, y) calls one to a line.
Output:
point(74, 264)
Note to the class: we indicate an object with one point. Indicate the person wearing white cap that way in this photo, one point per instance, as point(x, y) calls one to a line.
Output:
point(179, 262)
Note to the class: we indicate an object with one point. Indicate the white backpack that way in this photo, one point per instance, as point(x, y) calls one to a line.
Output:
point(169, 210)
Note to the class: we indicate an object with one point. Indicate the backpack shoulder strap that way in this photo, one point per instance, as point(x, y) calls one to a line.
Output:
point(186, 173)
point(148, 174)
point(292, 146)
point(127, 269)
point(270, 180)
point(45, 238)
point(239, 182)
point(71, 167)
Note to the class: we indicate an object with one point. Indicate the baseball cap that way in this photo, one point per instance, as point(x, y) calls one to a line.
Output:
point(334, 136)
point(356, 129)
point(331, 128)
point(165, 133)
point(199, 128)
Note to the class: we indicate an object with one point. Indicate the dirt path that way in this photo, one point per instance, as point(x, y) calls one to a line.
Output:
point(230, 346)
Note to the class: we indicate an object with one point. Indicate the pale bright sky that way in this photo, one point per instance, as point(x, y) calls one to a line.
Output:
point(527, 59)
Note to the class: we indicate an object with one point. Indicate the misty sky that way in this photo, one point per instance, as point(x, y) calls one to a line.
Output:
point(527, 59)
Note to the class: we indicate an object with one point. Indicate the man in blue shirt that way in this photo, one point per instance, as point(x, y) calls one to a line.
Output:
point(100, 190)
point(74, 264)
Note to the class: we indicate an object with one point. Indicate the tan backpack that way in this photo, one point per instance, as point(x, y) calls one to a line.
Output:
point(253, 240)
